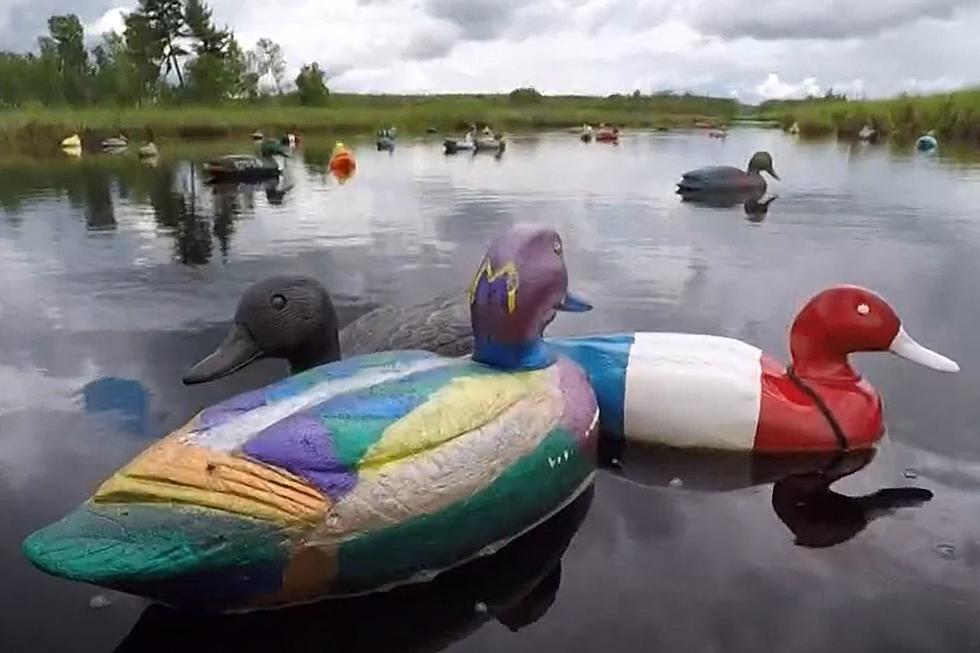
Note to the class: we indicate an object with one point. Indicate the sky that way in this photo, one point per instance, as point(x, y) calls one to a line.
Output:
point(749, 49)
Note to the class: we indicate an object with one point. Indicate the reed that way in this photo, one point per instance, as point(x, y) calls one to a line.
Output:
point(953, 116)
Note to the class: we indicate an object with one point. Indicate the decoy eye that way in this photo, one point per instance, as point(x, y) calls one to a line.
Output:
point(557, 247)
point(863, 309)
point(278, 302)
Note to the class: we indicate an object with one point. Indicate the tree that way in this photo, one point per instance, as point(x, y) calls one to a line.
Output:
point(270, 61)
point(153, 33)
point(525, 95)
point(217, 71)
point(311, 86)
point(116, 76)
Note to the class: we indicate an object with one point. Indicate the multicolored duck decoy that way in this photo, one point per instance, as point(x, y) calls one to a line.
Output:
point(716, 179)
point(710, 392)
point(355, 476)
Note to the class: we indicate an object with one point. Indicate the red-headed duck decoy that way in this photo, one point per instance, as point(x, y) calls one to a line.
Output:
point(716, 179)
point(710, 392)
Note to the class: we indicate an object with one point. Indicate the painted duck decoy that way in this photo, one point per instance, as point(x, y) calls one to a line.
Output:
point(927, 142)
point(727, 178)
point(241, 167)
point(342, 163)
point(515, 587)
point(292, 317)
point(355, 476)
point(654, 387)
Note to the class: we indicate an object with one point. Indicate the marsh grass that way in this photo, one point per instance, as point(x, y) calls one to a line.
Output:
point(953, 116)
point(40, 129)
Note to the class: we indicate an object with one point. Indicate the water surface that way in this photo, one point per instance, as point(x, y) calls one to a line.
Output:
point(119, 275)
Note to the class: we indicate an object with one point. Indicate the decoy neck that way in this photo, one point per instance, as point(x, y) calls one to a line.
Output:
point(846, 319)
point(518, 288)
point(285, 316)
point(761, 162)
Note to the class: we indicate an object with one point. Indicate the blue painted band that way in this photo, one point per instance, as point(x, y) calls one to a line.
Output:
point(532, 355)
point(604, 359)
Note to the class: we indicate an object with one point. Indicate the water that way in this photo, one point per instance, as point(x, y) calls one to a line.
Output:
point(118, 276)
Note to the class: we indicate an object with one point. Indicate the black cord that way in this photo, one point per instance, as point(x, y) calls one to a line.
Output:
point(822, 407)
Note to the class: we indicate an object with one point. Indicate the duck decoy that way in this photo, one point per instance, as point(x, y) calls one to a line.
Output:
point(515, 587)
point(718, 179)
point(241, 167)
point(654, 387)
point(342, 163)
point(292, 317)
point(927, 142)
point(355, 476)
point(271, 147)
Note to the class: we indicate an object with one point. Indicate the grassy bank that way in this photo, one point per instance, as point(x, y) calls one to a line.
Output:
point(40, 129)
point(954, 116)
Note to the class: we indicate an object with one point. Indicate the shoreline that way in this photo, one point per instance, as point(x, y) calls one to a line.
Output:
point(41, 129)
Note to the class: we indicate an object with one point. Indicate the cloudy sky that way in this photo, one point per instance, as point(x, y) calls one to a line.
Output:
point(752, 49)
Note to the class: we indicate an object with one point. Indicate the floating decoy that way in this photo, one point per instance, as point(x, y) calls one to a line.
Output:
point(242, 167)
point(728, 178)
point(655, 387)
point(927, 142)
point(355, 476)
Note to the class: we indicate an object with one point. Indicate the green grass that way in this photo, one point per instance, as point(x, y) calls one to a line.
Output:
point(954, 116)
point(40, 129)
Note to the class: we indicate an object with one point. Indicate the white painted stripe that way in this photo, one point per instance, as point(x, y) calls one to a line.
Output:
point(230, 435)
point(688, 390)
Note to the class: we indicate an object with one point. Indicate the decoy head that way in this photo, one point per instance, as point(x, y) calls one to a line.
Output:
point(285, 316)
point(762, 162)
point(519, 286)
point(847, 319)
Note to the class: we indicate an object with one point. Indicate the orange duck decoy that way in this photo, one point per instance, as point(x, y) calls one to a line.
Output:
point(342, 163)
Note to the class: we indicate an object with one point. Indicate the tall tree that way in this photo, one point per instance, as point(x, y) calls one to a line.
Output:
point(311, 86)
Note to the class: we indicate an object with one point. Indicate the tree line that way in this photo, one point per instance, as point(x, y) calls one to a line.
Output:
point(170, 51)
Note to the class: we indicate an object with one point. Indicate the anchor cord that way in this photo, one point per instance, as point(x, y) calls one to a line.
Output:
point(835, 426)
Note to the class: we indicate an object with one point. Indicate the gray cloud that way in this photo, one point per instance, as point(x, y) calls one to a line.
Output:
point(829, 20)
point(432, 41)
point(478, 20)
point(23, 21)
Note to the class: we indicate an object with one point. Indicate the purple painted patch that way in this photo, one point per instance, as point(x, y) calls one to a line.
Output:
point(580, 402)
point(237, 405)
point(301, 445)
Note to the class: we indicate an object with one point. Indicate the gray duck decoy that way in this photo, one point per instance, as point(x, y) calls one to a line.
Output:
point(715, 179)
point(292, 317)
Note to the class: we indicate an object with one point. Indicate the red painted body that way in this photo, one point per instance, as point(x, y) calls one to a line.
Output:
point(607, 136)
point(789, 420)
point(835, 323)
point(343, 164)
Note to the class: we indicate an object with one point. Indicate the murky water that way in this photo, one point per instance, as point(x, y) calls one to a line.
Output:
point(118, 275)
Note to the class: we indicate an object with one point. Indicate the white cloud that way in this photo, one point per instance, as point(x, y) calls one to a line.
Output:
point(934, 85)
point(110, 21)
point(774, 88)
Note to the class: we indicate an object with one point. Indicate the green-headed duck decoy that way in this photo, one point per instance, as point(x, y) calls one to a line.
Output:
point(715, 179)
